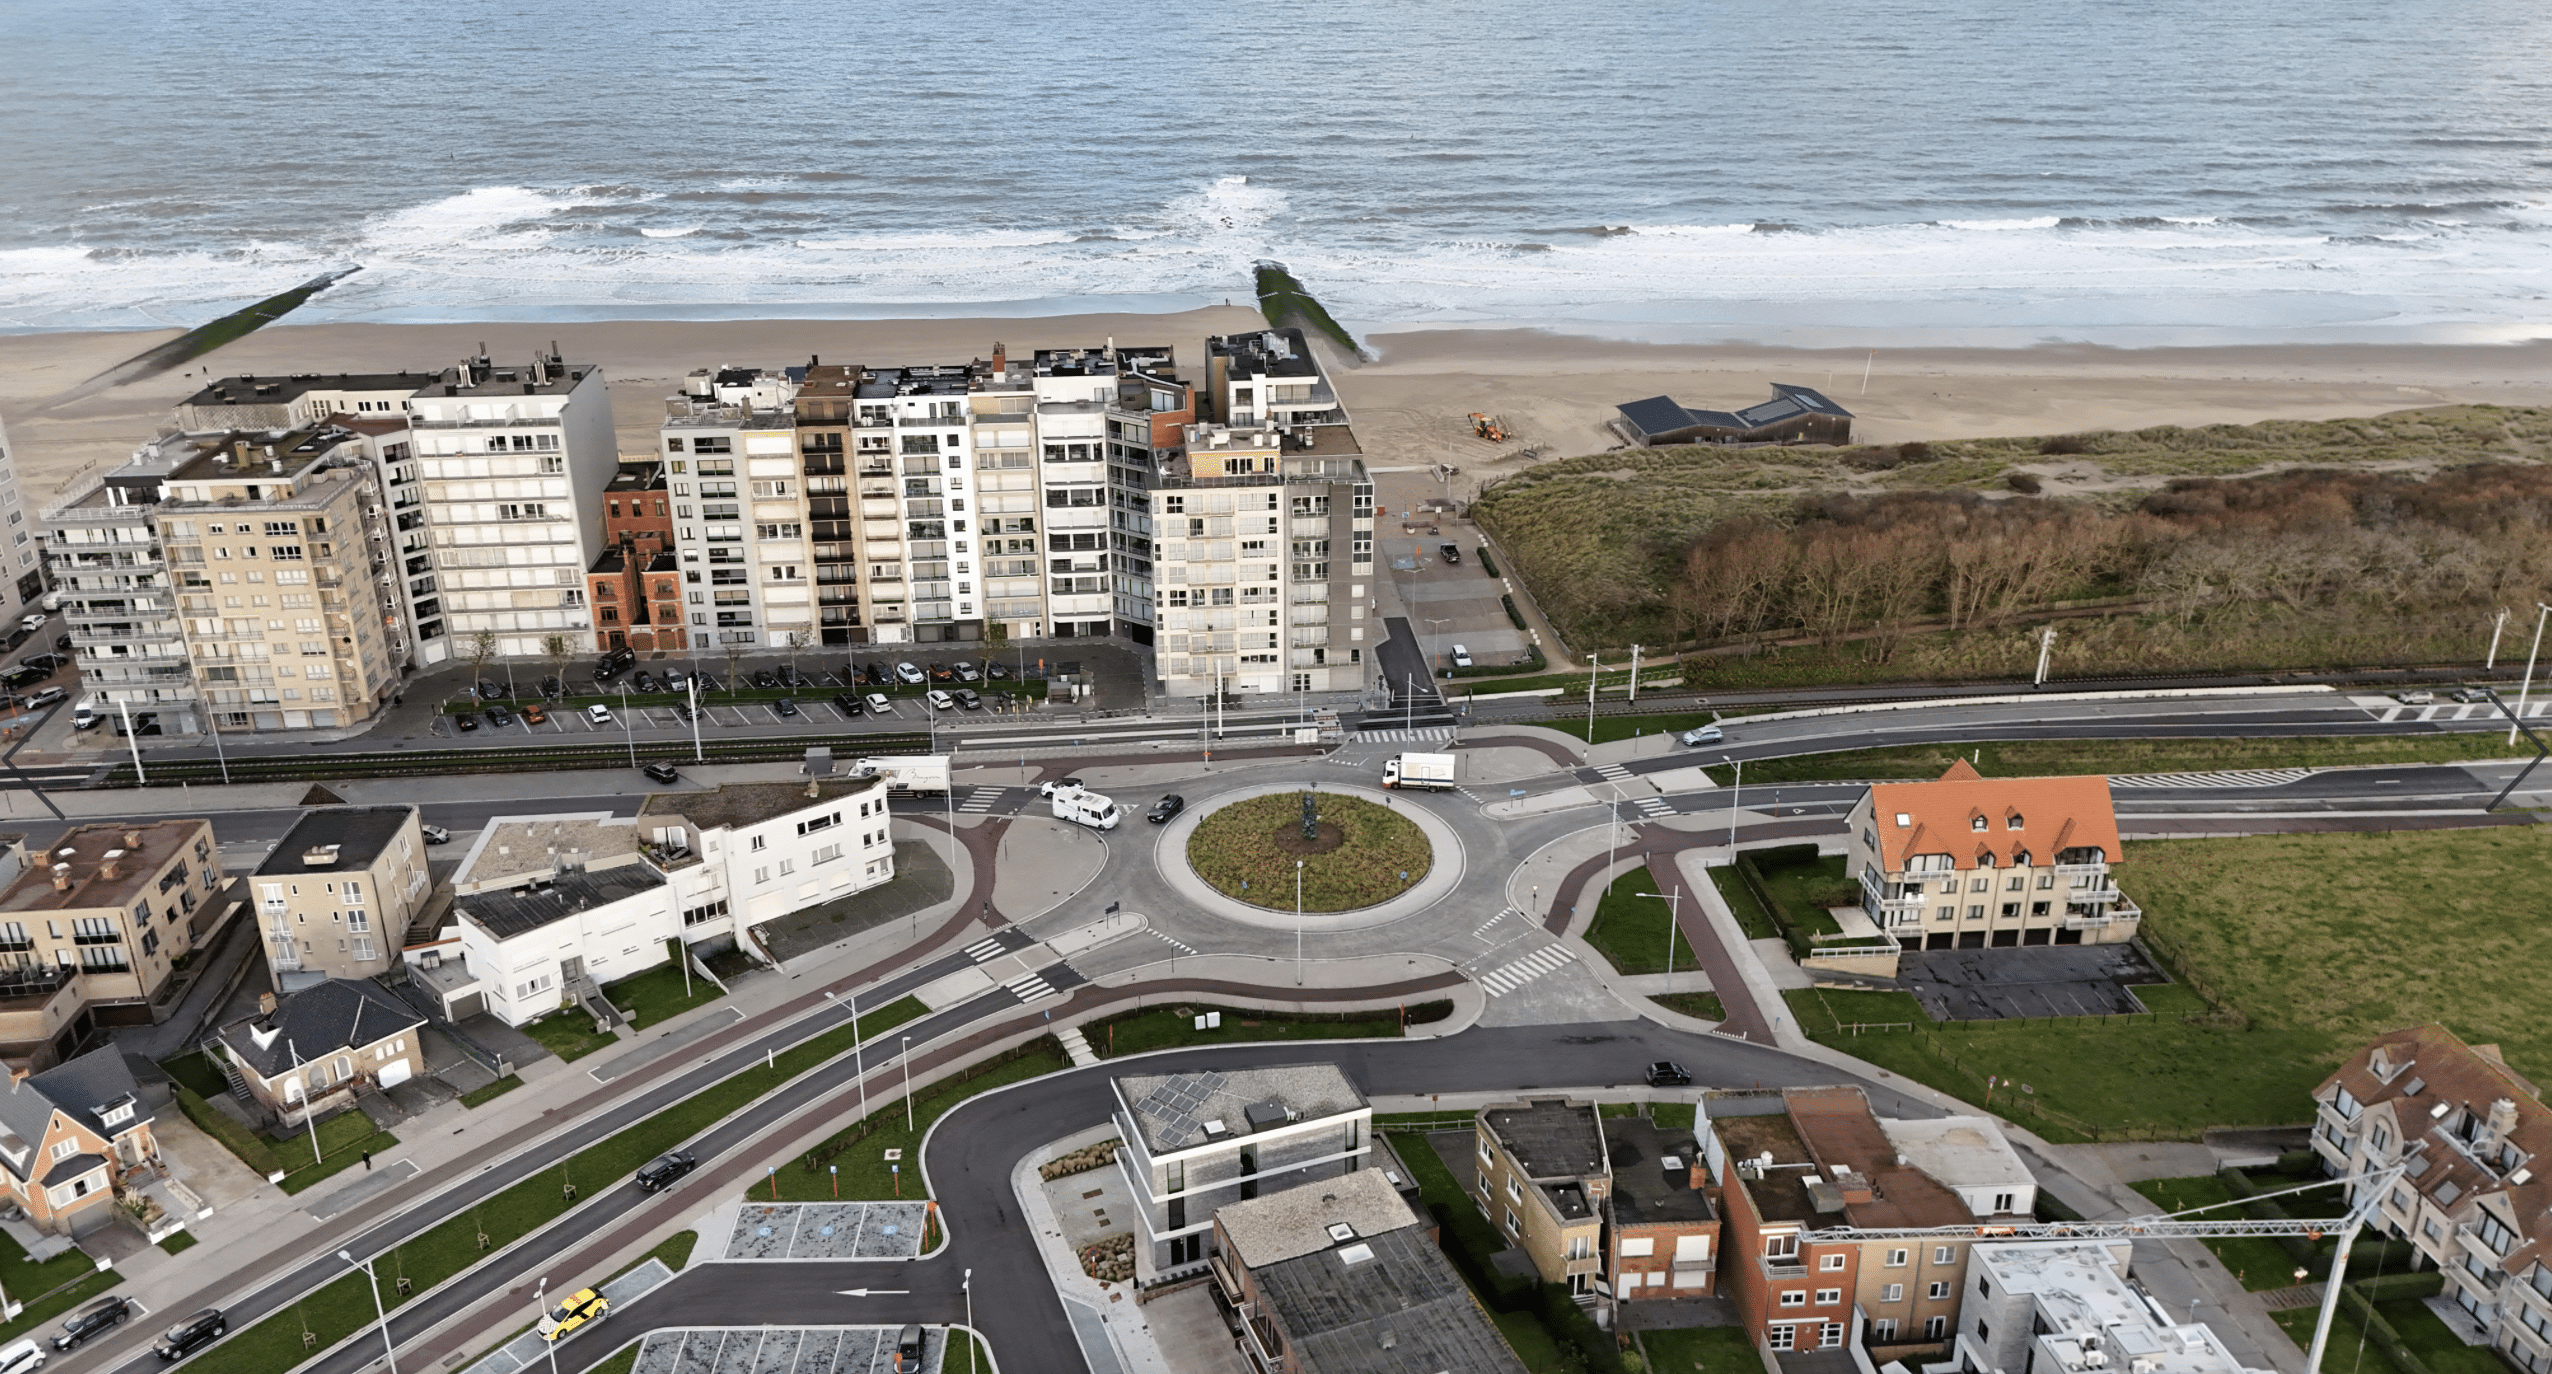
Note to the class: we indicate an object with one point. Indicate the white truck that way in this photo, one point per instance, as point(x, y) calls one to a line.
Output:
point(921, 774)
point(1430, 772)
point(1081, 806)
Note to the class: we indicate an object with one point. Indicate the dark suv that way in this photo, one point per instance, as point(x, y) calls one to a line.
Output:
point(661, 1172)
point(105, 1314)
point(191, 1335)
point(1666, 1073)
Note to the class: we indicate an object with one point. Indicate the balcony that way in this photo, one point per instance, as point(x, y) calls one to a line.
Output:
point(1780, 1269)
point(2089, 870)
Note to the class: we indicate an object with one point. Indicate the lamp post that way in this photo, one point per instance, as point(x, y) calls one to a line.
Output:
point(381, 1314)
point(906, 1054)
point(967, 1285)
point(1298, 923)
point(309, 1116)
point(1674, 927)
point(859, 1071)
point(2522, 691)
point(624, 725)
point(691, 698)
point(1435, 624)
point(539, 1311)
point(1735, 786)
point(2497, 624)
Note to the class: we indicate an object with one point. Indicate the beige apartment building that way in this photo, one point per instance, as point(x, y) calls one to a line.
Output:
point(275, 551)
point(88, 929)
point(1542, 1178)
point(1970, 862)
point(337, 896)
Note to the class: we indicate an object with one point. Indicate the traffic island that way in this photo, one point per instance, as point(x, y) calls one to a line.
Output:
point(1356, 853)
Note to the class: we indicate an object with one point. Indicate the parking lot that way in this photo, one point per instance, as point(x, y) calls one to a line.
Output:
point(814, 710)
point(2051, 980)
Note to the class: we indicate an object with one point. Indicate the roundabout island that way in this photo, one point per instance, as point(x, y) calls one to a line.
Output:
point(1349, 853)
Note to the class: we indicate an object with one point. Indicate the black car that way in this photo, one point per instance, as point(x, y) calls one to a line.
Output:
point(848, 703)
point(606, 670)
point(1452, 555)
point(48, 662)
point(784, 707)
point(791, 677)
point(499, 717)
point(685, 712)
point(661, 772)
point(766, 679)
point(464, 722)
point(191, 1335)
point(1165, 808)
point(997, 671)
point(62, 642)
point(967, 700)
point(16, 637)
point(1666, 1073)
point(491, 691)
point(19, 679)
point(661, 1172)
point(105, 1314)
point(551, 688)
point(645, 681)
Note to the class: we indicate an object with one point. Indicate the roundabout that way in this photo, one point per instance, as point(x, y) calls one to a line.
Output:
point(1364, 841)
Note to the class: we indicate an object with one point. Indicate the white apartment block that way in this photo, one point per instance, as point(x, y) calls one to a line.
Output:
point(513, 461)
point(2064, 1307)
point(21, 546)
point(1199, 1140)
point(117, 602)
point(739, 512)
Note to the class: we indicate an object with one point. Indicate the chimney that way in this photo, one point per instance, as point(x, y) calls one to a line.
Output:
point(133, 840)
point(112, 866)
point(2503, 1118)
point(265, 1004)
point(61, 877)
point(1000, 359)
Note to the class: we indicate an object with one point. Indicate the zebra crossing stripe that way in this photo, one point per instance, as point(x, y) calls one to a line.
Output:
point(983, 951)
point(1654, 806)
point(981, 799)
point(1507, 977)
point(1395, 736)
point(1181, 945)
point(1030, 988)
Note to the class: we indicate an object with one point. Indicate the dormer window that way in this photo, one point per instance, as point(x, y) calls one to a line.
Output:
point(118, 1114)
point(1976, 824)
point(2012, 821)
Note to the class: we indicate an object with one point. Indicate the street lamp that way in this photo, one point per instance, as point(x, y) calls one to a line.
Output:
point(1433, 630)
point(2521, 691)
point(859, 1071)
point(906, 1054)
point(624, 725)
point(540, 1310)
point(968, 1286)
point(1735, 786)
point(1298, 923)
point(1674, 927)
point(379, 1313)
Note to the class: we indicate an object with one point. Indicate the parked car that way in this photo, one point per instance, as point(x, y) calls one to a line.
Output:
point(62, 642)
point(435, 834)
point(938, 700)
point(765, 679)
point(941, 672)
point(791, 677)
point(662, 772)
point(1461, 656)
point(676, 680)
point(33, 620)
point(20, 678)
point(88, 1320)
point(21, 1357)
point(967, 700)
point(489, 690)
point(47, 697)
point(967, 672)
point(873, 674)
point(848, 703)
point(997, 670)
point(573, 1312)
point(2416, 696)
point(606, 670)
point(16, 638)
point(85, 717)
point(878, 705)
point(48, 662)
point(644, 682)
point(465, 724)
point(1452, 554)
point(784, 708)
point(908, 1346)
point(536, 714)
point(1165, 808)
point(191, 1335)
point(599, 714)
point(665, 1170)
point(1707, 734)
point(685, 712)
point(2471, 694)
point(909, 675)
point(499, 717)
point(552, 688)
point(1666, 1073)
point(1048, 789)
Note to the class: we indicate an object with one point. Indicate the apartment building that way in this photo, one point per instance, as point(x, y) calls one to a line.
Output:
point(315, 1049)
point(68, 1138)
point(1268, 378)
point(739, 514)
point(2065, 1307)
point(337, 896)
point(1196, 1141)
point(1252, 595)
point(89, 929)
point(118, 601)
point(1821, 1160)
point(22, 548)
point(301, 400)
point(635, 584)
point(1969, 862)
point(2470, 1136)
point(1342, 1277)
point(1659, 1222)
point(512, 462)
point(1542, 1179)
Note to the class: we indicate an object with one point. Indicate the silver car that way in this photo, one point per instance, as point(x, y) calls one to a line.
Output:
point(1708, 734)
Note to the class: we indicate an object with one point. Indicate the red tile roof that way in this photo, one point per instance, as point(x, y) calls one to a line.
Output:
point(2039, 816)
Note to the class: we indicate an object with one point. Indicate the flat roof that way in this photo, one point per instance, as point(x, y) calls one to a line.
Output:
point(508, 912)
point(359, 833)
point(1961, 1151)
point(1653, 1173)
point(1384, 1304)
point(1780, 1195)
point(86, 847)
point(1272, 352)
point(1281, 1226)
point(2079, 1295)
point(1843, 1134)
point(247, 389)
point(1550, 1136)
point(512, 848)
point(738, 804)
point(1172, 1109)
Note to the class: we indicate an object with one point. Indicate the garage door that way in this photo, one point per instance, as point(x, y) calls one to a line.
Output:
point(395, 1073)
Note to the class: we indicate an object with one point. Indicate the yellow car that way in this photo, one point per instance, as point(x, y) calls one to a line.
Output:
point(577, 1308)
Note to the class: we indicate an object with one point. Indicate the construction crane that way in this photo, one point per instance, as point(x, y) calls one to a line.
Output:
point(2176, 1226)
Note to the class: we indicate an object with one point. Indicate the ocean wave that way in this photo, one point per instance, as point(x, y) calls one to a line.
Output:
point(2036, 222)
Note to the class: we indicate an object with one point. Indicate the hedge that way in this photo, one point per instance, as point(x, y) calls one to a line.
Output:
point(1487, 564)
point(2400, 1287)
point(238, 1139)
point(1473, 1244)
point(1513, 614)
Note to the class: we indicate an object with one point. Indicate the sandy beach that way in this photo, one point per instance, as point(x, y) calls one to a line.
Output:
point(1410, 401)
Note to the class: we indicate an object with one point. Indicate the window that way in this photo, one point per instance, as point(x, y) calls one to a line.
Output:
point(1830, 1263)
point(1514, 1190)
point(1485, 1156)
point(1941, 1254)
point(1638, 1249)
point(1981, 1331)
point(64, 1149)
point(1883, 1330)
point(1894, 1292)
point(761, 876)
point(1976, 824)
point(758, 842)
point(1779, 1337)
point(1782, 1246)
point(1830, 1337)
point(1828, 1297)
point(1513, 1227)
point(1796, 1297)
point(2003, 1202)
point(1935, 1328)
point(1896, 1259)
point(1937, 1291)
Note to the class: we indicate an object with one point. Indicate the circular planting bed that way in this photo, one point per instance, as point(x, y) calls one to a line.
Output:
point(1247, 850)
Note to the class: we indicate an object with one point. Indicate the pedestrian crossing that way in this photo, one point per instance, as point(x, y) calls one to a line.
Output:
point(2241, 777)
point(1031, 987)
point(1181, 946)
point(1651, 807)
point(986, 950)
point(1654, 807)
point(1612, 772)
point(2389, 711)
point(1507, 977)
point(981, 800)
point(1444, 732)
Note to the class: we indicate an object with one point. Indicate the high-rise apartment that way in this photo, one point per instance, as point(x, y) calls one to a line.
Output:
point(739, 518)
point(117, 601)
point(21, 547)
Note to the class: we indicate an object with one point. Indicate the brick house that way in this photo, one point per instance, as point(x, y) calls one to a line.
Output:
point(1542, 1179)
point(69, 1136)
point(1663, 1231)
point(1969, 862)
point(323, 1044)
point(2474, 1136)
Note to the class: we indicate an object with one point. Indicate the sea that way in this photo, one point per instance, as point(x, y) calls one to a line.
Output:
point(1980, 172)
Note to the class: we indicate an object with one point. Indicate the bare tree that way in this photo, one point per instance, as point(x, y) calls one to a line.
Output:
point(482, 648)
point(557, 650)
point(733, 652)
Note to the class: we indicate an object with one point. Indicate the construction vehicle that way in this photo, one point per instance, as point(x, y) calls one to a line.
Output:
point(1488, 427)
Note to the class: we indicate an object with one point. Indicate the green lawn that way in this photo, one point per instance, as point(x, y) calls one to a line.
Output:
point(23, 1278)
point(2257, 1263)
point(1701, 1350)
point(1751, 917)
point(178, 1242)
point(1805, 890)
point(343, 1140)
point(2350, 1352)
point(41, 1311)
point(568, 1033)
point(657, 995)
point(1630, 929)
point(967, 1354)
point(1702, 1004)
point(2038, 758)
point(197, 1072)
point(480, 1097)
point(1240, 850)
point(1161, 1028)
point(275, 1344)
point(859, 1151)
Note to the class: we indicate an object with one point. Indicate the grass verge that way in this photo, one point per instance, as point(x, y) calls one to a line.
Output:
point(658, 994)
point(344, 1139)
point(1630, 928)
point(480, 1097)
point(568, 1033)
point(179, 1242)
point(674, 1250)
point(859, 1152)
point(40, 1312)
point(1751, 917)
point(2258, 1264)
point(2038, 758)
point(1699, 1350)
point(1705, 1005)
point(1161, 1028)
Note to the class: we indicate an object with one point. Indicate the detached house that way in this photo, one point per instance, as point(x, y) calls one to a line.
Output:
point(2471, 1136)
point(314, 1050)
point(1970, 862)
point(68, 1138)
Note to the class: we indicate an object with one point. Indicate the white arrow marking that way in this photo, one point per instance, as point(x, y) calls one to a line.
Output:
point(879, 1292)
